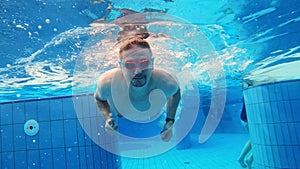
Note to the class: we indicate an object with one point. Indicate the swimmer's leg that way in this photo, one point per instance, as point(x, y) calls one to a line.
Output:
point(245, 151)
point(249, 161)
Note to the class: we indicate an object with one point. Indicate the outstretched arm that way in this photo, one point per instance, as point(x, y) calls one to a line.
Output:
point(104, 108)
point(172, 104)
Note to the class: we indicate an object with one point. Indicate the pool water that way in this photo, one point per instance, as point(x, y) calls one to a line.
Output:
point(50, 52)
point(41, 47)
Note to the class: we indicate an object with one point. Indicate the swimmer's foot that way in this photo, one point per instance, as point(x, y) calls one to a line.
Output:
point(249, 163)
point(167, 132)
point(242, 163)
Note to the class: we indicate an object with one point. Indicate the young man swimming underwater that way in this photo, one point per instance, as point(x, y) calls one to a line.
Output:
point(136, 90)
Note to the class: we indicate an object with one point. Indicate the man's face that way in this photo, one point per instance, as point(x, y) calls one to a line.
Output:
point(137, 66)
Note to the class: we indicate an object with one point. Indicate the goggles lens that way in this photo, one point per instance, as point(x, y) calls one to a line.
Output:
point(143, 63)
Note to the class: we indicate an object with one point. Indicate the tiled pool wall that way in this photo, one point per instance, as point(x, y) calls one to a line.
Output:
point(274, 124)
point(61, 141)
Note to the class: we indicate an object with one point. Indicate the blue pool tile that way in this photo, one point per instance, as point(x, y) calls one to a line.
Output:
point(43, 110)
point(260, 114)
point(80, 134)
point(252, 96)
point(284, 91)
point(70, 133)
point(268, 113)
point(93, 108)
point(95, 133)
point(18, 112)
point(88, 141)
point(30, 110)
point(57, 133)
point(89, 156)
point(264, 154)
point(288, 111)
point(82, 158)
point(251, 113)
point(45, 135)
point(85, 107)
point(265, 133)
point(295, 106)
point(265, 94)
point(251, 130)
point(254, 136)
point(291, 156)
point(246, 96)
point(256, 112)
point(78, 107)
point(110, 156)
point(46, 161)
point(97, 157)
point(257, 95)
point(265, 113)
point(68, 108)
point(296, 152)
point(275, 150)
point(278, 135)
point(273, 90)
point(297, 129)
point(283, 157)
point(270, 156)
point(7, 160)
point(260, 136)
point(286, 134)
point(272, 135)
point(32, 142)
point(19, 137)
point(6, 113)
point(282, 111)
point(293, 134)
point(274, 117)
point(7, 138)
point(87, 131)
point(59, 158)
point(56, 111)
point(258, 150)
point(104, 159)
point(33, 159)
point(294, 90)
point(72, 158)
point(20, 159)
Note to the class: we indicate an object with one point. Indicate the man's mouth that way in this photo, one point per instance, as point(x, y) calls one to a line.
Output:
point(139, 80)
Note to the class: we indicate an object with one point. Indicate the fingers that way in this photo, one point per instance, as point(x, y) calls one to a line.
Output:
point(111, 126)
point(167, 132)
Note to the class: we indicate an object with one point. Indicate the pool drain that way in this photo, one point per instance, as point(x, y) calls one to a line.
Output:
point(31, 127)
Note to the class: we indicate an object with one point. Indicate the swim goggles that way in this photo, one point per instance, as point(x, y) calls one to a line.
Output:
point(131, 65)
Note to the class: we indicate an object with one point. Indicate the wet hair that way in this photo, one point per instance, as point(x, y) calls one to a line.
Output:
point(133, 42)
point(133, 30)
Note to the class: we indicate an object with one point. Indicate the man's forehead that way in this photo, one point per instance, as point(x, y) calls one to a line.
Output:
point(136, 51)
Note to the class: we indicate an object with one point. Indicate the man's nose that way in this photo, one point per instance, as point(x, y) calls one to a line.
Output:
point(138, 70)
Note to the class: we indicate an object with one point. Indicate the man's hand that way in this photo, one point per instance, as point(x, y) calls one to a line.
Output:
point(111, 126)
point(167, 132)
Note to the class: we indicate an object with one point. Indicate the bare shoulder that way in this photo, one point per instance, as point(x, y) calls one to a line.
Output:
point(106, 77)
point(165, 80)
point(104, 84)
